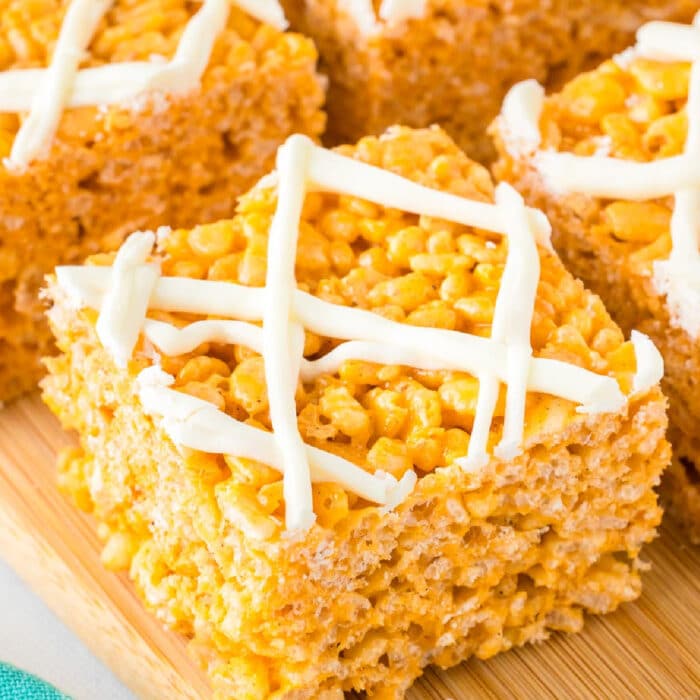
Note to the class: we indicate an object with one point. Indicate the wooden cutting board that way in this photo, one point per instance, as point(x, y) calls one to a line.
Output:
point(649, 649)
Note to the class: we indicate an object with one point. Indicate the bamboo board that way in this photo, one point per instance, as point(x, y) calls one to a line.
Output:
point(649, 649)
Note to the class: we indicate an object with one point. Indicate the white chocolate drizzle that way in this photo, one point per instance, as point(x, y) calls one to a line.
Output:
point(396, 11)
point(678, 278)
point(391, 12)
point(504, 359)
point(283, 336)
point(126, 301)
point(199, 425)
point(512, 317)
point(520, 117)
point(45, 93)
point(650, 364)
point(79, 24)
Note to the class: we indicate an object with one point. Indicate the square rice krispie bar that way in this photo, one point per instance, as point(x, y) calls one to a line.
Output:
point(483, 446)
point(119, 115)
point(419, 62)
point(613, 162)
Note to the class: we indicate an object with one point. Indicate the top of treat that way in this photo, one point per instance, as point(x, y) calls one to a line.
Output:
point(134, 285)
point(640, 176)
point(45, 93)
point(389, 11)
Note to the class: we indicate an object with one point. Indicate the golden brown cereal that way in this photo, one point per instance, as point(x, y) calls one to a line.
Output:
point(472, 564)
point(175, 160)
point(665, 81)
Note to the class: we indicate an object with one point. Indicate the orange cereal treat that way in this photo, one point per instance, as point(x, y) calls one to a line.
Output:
point(405, 437)
point(613, 160)
point(119, 115)
point(450, 62)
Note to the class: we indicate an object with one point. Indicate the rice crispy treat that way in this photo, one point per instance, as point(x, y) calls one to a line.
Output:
point(450, 62)
point(449, 516)
point(120, 158)
point(623, 226)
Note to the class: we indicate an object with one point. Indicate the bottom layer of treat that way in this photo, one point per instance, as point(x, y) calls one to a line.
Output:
point(470, 565)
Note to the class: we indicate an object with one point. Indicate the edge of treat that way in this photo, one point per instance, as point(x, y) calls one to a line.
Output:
point(678, 277)
point(124, 293)
point(45, 93)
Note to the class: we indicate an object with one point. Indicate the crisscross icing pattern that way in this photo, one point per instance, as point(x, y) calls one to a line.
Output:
point(45, 93)
point(124, 293)
point(678, 277)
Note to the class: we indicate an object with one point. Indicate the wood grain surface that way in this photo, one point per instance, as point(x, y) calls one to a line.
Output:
point(649, 649)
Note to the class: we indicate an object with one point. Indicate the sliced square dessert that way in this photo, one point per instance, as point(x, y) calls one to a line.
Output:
point(419, 62)
point(613, 159)
point(119, 115)
point(367, 425)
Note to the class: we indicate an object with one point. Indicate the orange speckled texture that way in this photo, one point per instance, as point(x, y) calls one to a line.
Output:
point(177, 160)
point(639, 113)
point(470, 564)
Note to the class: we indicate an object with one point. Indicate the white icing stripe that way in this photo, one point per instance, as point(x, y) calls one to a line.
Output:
point(390, 11)
point(515, 307)
point(615, 178)
point(174, 341)
point(477, 452)
point(520, 117)
point(191, 58)
point(396, 11)
point(286, 312)
point(546, 376)
point(650, 364)
point(105, 85)
point(47, 92)
point(511, 326)
point(678, 278)
point(386, 353)
point(685, 222)
point(281, 350)
point(179, 341)
point(198, 424)
point(35, 134)
point(489, 384)
point(124, 306)
point(453, 350)
point(668, 41)
point(332, 172)
point(362, 11)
